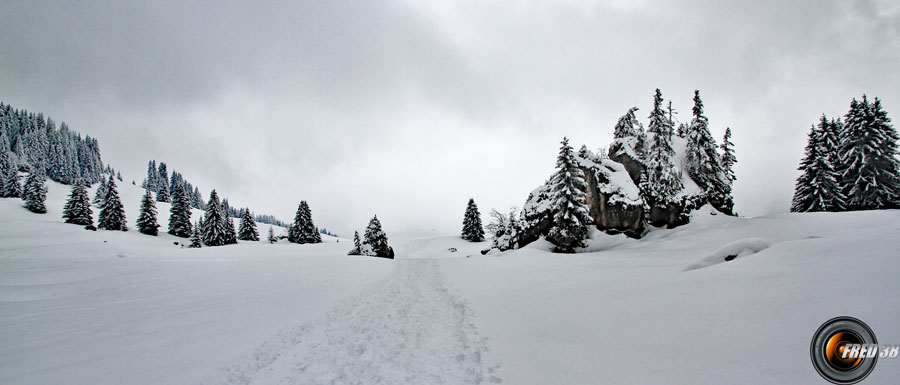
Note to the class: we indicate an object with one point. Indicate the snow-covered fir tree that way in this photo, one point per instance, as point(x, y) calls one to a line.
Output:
point(213, 225)
point(628, 125)
point(180, 214)
point(112, 213)
point(472, 230)
point(728, 157)
point(100, 194)
point(152, 175)
point(570, 212)
point(247, 229)
point(77, 209)
point(357, 246)
point(196, 241)
point(817, 188)
point(162, 193)
point(230, 231)
point(318, 237)
point(146, 221)
point(663, 183)
point(702, 159)
point(11, 186)
point(272, 238)
point(34, 193)
point(871, 169)
point(303, 230)
point(376, 240)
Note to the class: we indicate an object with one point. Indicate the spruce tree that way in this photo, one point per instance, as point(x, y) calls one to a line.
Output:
point(472, 230)
point(272, 238)
point(377, 240)
point(180, 214)
point(728, 158)
point(196, 242)
point(817, 188)
point(162, 184)
point(703, 162)
point(11, 186)
point(570, 212)
point(303, 230)
point(146, 221)
point(35, 192)
point(247, 230)
point(663, 182)
point(870, 170)
point(77, 209)
point(628, 125)
point(112, 213)
point(213, 225)
point(357, 246)
point(100, 195)
point(230, 231)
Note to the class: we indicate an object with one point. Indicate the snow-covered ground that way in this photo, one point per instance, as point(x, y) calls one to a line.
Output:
point(81, 307)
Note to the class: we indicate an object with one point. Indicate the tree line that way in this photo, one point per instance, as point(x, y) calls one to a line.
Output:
point(850, 164)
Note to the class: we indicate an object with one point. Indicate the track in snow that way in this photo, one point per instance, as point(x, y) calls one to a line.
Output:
point(407, 329)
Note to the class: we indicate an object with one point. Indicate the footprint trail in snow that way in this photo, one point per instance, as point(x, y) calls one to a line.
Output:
point(406, 329)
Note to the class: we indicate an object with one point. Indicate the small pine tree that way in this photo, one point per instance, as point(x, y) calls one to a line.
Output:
point(728, 158)
point(703, 162)
point(146, 221)
point(162, 184)
point(817, 188)
point(77, 209)
point(100, 195)
point(357, 246)
point(570, 212)
point(112, 213)
point(180, 214)
point(230, 231)
point(35, 192)
point(11, 186)
point(303, 230)
point(377, 240)
point(196, 242)
point(213, 224)
point(247, 229)
point(628, 125)
point(272, 238)
point(472, 230)
point(663, 183)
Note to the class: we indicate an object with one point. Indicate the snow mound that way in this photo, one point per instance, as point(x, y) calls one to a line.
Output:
point(737, 249)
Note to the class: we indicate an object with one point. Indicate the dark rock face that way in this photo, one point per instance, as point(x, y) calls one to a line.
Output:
point(635, 168)
point(609, 216)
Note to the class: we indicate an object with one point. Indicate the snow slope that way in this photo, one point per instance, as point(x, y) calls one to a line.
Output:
point(80, 307)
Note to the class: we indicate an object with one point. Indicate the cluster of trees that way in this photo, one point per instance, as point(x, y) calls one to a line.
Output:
point(472, 230)
point(850, 164)
point(159, 182)
point(374, 242)
point(34, 143)
point(661, 187)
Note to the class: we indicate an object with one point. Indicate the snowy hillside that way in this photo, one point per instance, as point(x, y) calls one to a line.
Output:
point(82, 307)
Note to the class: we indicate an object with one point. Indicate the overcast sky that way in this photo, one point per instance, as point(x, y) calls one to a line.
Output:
point(408, 108)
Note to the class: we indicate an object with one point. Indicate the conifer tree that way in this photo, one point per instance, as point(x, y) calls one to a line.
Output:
point(11, 186)
point(272, 238)
point(377, 240)
point(100, 195)
point(303, 230)
point(213, 225)
point(817, 188)
point(230, 231)
point(162, 184)
point(628, 125)
point(247, 230)
point(472, 229)
point(728, 158)
point(180, 214)
point(146, 221)
point(663, 182)
point(357, 246)
point(77, 209)
point(870, 170)
point(570, 212)
point(35, 192)
point(703, 162)
point(196, 242)
point(112, 213)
